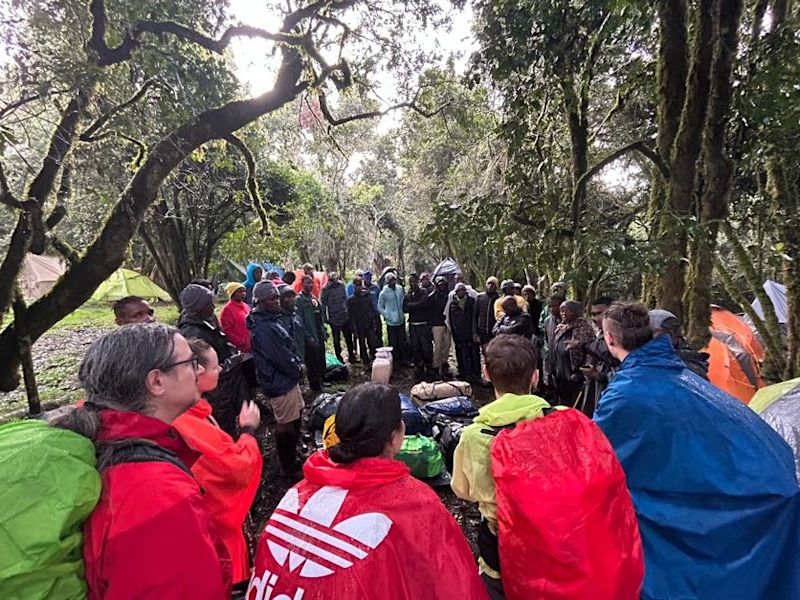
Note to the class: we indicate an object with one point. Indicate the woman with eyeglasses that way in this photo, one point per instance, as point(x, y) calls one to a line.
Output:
point(149, 535)
point(229, 472)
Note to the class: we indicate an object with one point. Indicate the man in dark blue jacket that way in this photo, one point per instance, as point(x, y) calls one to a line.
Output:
point(279, 370)
point(713, 486)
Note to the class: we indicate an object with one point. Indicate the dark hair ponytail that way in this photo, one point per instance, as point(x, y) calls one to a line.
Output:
point(367, 417)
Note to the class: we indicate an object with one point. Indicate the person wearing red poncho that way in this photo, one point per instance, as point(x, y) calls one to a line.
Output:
point(229, 472)
point(232, 317)
point(359, 526)
point(149, 536)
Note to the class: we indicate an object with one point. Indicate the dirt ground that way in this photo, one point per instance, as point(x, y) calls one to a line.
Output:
point(274, 485)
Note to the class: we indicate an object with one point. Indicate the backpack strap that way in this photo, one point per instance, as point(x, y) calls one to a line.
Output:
point(136, 450)
point(494, 431)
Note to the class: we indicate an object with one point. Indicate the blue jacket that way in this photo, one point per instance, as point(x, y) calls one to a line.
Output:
point(713, 485)
point(374, 292)
point(278, 366)
point(390, 305)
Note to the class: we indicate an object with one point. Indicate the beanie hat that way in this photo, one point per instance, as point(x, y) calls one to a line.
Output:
point(232, 287)
point(195, 297)
point(264, 290)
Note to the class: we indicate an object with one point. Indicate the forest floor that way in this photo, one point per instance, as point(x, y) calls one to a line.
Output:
point(57, 355)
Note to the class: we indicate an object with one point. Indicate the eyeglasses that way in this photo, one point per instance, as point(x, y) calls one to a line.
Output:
point(194, 361)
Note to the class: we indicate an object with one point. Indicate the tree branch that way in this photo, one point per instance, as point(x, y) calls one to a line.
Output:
point(252, 182)
point(106, 56)
point(12, 106)
point(638, 146)
point(63, 248)
point(325, 109)
point(89, 134)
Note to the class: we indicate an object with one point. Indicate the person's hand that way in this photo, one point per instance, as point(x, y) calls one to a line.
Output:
point(476, 338)
point(590, 372)
point(573, 344)
point(250, 415)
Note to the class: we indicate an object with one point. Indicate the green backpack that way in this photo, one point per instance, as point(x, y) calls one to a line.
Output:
point(50, 487)
point(422, 455)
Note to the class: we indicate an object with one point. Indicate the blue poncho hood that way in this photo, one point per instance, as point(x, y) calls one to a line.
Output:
point(713, 485)
point(250, 280)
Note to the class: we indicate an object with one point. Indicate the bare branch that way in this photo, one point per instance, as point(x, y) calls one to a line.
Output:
point(106, 56)
point(142, 149)
point(88, 135)
point(252, 182)
point(323, 105)
point(639, 146)
point(12, 106)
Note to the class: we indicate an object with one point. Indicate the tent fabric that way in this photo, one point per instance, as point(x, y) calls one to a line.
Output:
point(39, 274)
point(777, 295)
point(735, 355)
point(124, 282)
point(783, 416)
point(447, 268)
point(764, 397)
point(49, 488)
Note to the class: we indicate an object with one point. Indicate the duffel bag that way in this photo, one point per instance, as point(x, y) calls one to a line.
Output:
point(447, 432)
point(323, 407)
point(416, 422)
point(458, 407)
point(422, 455)
point(425, 392)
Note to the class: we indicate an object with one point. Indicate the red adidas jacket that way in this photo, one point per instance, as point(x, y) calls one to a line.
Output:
point(229, 472)
point(232, 322)
point(149, 536)
point(362, 531)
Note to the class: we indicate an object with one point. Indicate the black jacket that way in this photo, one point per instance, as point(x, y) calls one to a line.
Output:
point(417, 304)
point(334, 303)
point(520, 324)
point(438, 302)
point(362, 313)
point(192, 326)
point(461, 320)
point(483, 319)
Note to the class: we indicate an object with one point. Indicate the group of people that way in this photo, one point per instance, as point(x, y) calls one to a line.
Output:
point(712, 485)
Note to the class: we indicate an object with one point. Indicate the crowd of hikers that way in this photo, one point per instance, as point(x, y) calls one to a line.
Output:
point(606, 467)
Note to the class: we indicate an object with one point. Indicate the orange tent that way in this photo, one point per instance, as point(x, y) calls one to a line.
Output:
point(736, 354)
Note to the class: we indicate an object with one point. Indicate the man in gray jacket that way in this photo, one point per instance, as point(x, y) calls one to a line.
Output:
point(334, 313)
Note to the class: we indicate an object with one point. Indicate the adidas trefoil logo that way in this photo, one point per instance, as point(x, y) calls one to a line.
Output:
point(306, 538)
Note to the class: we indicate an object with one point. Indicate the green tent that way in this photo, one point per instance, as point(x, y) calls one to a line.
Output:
point(124, 282)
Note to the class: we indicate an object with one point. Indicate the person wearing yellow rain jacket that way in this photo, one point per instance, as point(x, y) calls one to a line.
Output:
point(511, 367)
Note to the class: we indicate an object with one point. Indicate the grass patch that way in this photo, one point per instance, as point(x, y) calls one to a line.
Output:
point(102, 316)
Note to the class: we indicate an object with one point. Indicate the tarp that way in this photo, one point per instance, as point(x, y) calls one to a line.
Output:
point(50, 486)
point(124, 282)
point(777, 294)
point(735, 355)
point(39, 274)
point(448, 267)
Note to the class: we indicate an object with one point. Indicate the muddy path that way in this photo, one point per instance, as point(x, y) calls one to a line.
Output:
point(274, 485)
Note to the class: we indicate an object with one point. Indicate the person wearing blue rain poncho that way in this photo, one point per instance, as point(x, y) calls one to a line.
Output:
point(713, 486)
point(253, 274)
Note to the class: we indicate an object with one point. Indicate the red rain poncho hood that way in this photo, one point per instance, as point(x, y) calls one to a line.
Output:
point(359, 531)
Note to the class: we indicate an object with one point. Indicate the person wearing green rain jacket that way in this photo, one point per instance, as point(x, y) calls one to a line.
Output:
point(511, 363)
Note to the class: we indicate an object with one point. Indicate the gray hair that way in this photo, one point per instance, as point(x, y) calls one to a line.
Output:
point(114, 369)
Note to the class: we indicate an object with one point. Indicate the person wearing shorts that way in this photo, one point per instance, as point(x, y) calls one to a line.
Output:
point(279, 369)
